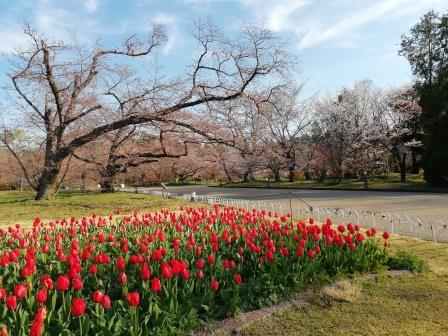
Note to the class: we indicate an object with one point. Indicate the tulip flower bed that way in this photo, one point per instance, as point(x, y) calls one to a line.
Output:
point(161, 272)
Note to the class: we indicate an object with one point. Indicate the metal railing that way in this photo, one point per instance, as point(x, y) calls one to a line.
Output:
point(435, 230)
point(273, 207)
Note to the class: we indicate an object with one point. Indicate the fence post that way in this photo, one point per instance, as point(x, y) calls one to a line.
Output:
point(433, 233)
point(357, 216)
point(410, 223)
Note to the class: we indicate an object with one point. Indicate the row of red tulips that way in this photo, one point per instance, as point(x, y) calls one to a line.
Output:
point(164, 272)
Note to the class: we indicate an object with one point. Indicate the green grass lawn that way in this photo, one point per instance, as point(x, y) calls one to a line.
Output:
point(413, 304)
point(387, 181)
point(20, 207)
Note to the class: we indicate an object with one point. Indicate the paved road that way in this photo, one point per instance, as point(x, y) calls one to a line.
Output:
point(426, 205)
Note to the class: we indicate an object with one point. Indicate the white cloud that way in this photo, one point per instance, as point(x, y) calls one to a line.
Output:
point(173, 33)
point(349, 25)
point(91, 5)
point(314, 24)
point(276, 14)
point(61, 23)
point(11, 39)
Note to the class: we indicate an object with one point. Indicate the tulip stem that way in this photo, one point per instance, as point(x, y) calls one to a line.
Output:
point(80, 325)
point(135, 319)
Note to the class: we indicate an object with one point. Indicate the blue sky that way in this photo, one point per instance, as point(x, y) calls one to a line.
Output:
point(338, 42)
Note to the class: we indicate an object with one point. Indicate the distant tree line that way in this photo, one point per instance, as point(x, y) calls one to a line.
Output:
point(426, 48)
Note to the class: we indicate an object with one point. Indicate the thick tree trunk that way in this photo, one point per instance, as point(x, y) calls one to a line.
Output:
point(47, 185)
point(322, 175)
point(108, 179)
point(82, 181)
point(307, 174)
point(226, 171)
point(414, 166)
point(340, 174)
point(292, 165)
point(109, 174)
point(107, 185)
point(292, 175)
point(277, 176)
point(403, 168)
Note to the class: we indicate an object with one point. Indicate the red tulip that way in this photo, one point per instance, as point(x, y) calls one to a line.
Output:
point(46, 282)
point(237, 279)
point(20, 291)
point(360, 237)
point(167, 271)
point(77, 284)
point(386, 235)
point(157, 255)
point(41, 296)
point(62, 283)
point(145, 273)
point(185, 273)
point(2, 293)
point(41, 314)
point(198, 250)
point(156, 285)
point(11, 302)
point(200, 263)
point(311, 253)
point(106, 302)
point(300, 251)
point(121, 264)
point(211, 259)
point(97, 296)
point(133, 299)
point(122, 278)
point(36, 329)
point(78, 307)
point(3, 331)
point(214, 285)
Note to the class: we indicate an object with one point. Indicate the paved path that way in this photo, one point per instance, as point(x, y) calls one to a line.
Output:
point(425, 205)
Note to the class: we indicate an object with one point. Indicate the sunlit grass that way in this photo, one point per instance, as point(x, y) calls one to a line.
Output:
point(386, 181)
point(20, 207)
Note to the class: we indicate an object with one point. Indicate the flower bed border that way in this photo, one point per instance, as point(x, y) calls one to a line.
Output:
point(233, 325)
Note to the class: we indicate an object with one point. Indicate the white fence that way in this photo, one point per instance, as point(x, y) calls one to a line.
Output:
point(436, 230)
point(274, 207)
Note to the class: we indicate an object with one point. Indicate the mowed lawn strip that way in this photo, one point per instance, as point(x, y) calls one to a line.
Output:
point(389, 181)
point(413, 304)
point(20, 207)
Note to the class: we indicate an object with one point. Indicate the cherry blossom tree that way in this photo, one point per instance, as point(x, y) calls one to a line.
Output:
point(405, 128)
point(352, 129)
point(74, 94)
